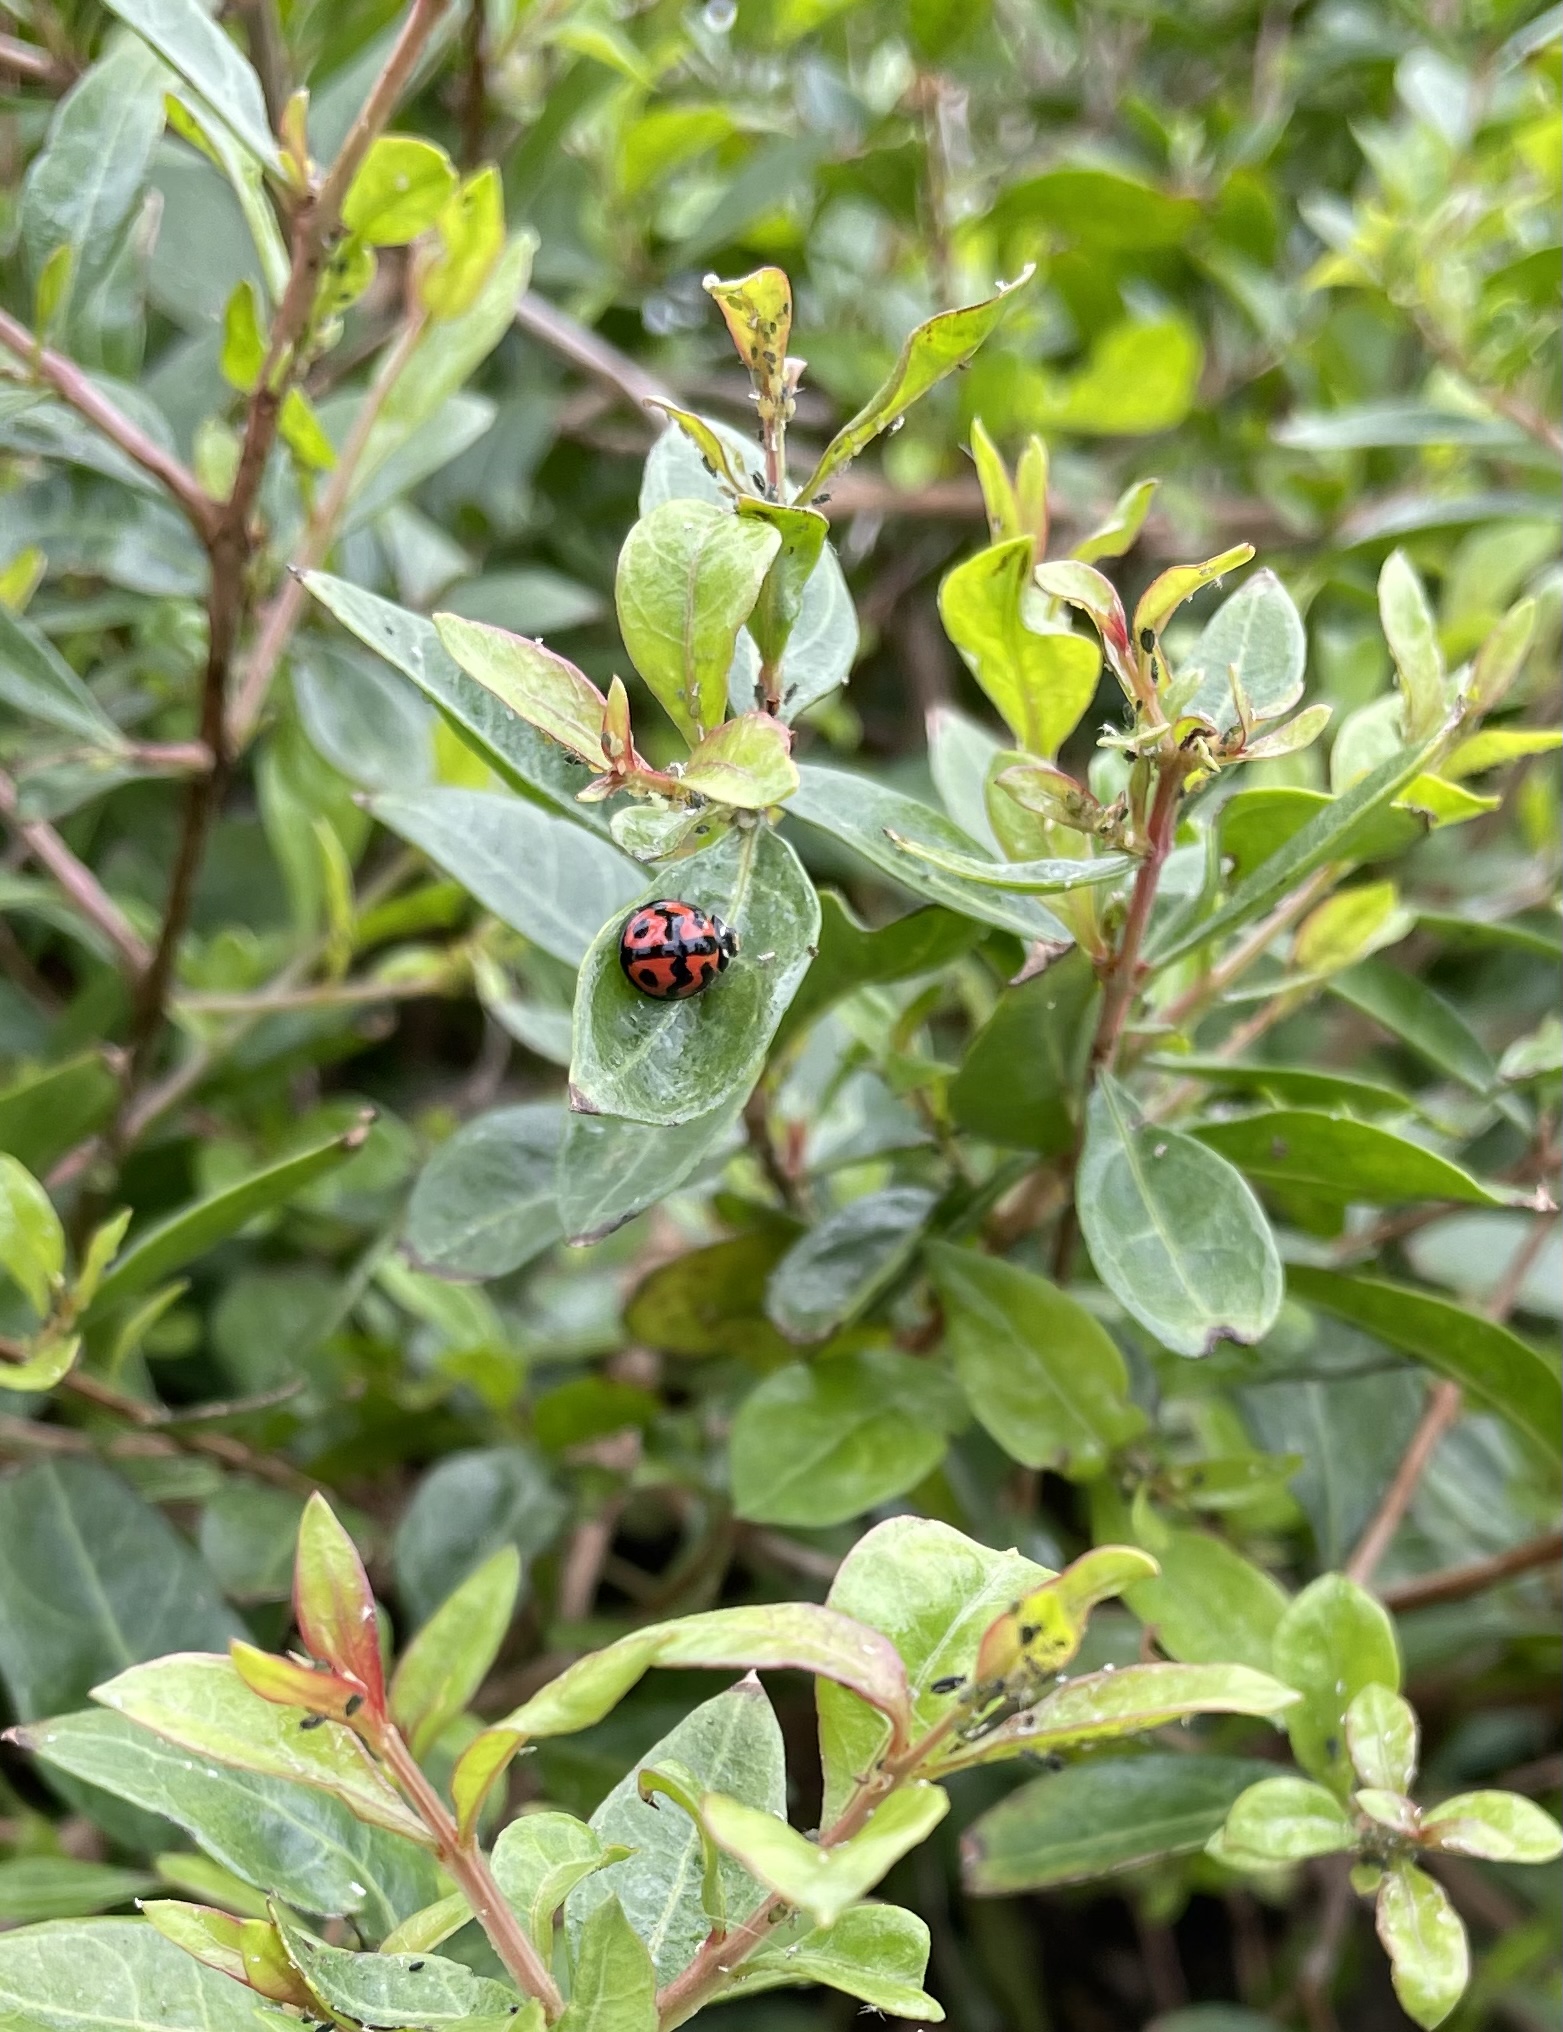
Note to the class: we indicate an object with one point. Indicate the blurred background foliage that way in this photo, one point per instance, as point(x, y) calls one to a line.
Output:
point(1299, 261)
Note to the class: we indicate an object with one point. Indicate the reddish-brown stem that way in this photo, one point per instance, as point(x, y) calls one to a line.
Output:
point(468, 1867)
point(76, 879)
point(37, 66)
point(1441, 1411)
point(1211, 985)
point(1122, 973)
point(75, 387)
point(1459, 1583)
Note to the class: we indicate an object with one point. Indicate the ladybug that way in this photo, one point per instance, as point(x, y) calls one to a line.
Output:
point(672, 950)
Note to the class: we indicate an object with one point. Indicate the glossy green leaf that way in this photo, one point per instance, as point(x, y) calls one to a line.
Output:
point(400, 189)
point(1334, 1640)
point(837, 1268)
point(1336, 833)
point(1129, 1700)
point(1504, 1827)
point(1022, 1080)
point(1256, 636)
point(1041, 683)
point(814, 1445)
point(1024, 878)
point(171, 1243)
point(48, 1360)
point(669, 1062)
point(876, 1953)
point(449, 1658)
point(1042, 1375)
point(38, 682)
point(775, 614)
point(543, 688)
point(1492, 1364)
point(1340, 1158)
point(73, 1975)
point(1412, 1010)
point(731, 1745)
point(1254, 824)
point(1138, 377)
point(538, 1860)
point(930, 352)
point(688, 578)
point(614, 1987)
point(35, 1888)
point(1174, 1232)
point(1425, 1942)
point(287, 1840)
point(610, 1169)
point(821, 649)
point(860, 814)
point(1302, 1085)
point(824, 1882)
point(1286, 1820)
point(1412, 636)
point(190, 42)
point(484, 1203)
point(45, 1113)
point(1381, 1736)
point(468, 1506)
point(1179, 583)
point(198, 1701)
point(746, 762)
point(422, 1990)
point(851, 955)
point(1116, 1813)
point(32, 1241)
point(1209, 1603)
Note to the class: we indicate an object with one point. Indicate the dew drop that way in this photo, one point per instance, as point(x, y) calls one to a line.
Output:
point(719, 15)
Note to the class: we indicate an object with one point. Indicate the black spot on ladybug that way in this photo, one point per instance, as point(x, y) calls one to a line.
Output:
point(671, 950)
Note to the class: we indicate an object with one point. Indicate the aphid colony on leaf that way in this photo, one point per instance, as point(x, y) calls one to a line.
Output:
point(671, 950)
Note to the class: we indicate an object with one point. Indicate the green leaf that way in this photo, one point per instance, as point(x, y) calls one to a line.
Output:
point(824, 1882)
point(82, 192)
point(1504, 1827)
point(37, 681)
point(1099, 1817)
point(200, 1702)
point(1137, 378)
point(1254, 824)
point(668, 1062)
point(1258, 635)
point(1381, 1735)
point(1174, 1232)
point(304, 434)
point(450, 1657)
point(538, 1860)
point(1121, 531)
point(287, 1840)
point(1426, 1944)
point(609, 1169)
point(1493, 1365)
point(244, 339)
point(421, 1990)
point(688, 578)
point(834, 1271)
point(188, 40)
point(614, 1986)
point(1023, 1076)
point(473, 255)
point(32, 1241)
point(495, 726)
point(732, 1745)
point(1412, 636)
point(35, 1888)
point(1334, 1640)
point(1040, 682)
point(933, 350)
point(710, 1301)
point(745, 762)
point(1342, 1159)
point(1103, 1706)
point(484, 1203)
point(861, 813)
point(1042, 1376)
point(201, 1225)
point(1102, 209)
point(815, 1445)
point(92, 1579)
point(1209, 1602)
point(933, 1592)
point(45, 1112)
point(1302, 1085)
point(1336, 833)
point(821, 647)
point(543, 688)
point(803, 532)
point(1495, 746)
point(853, 956)
point(876, 1953)
point(1408, 1008)
point(50, 1358)
point(1023, 878)
point(401, 187)
point(1285, 1820)
point(467, 1507)
point(76, 1975)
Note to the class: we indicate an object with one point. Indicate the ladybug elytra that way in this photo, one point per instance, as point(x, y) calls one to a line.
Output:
point(671, 950)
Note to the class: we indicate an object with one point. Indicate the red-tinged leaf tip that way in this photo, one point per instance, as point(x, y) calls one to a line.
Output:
point(333, 1603)
point(338, 1695)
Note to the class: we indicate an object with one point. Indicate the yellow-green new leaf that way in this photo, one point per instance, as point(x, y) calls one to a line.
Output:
point(746, 762)
point(402, 186)
point(824, 1882)
point(1040, 682)
point(1413, 643)
point(447, 1661)
point(1426, 1944)
point(1166, 593)
point(543, 688)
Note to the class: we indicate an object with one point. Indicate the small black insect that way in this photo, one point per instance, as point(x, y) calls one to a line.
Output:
point(354, 1702)
point(312, 1721)
point(952, 1684)
point(413, 1967)
point(1147, 638)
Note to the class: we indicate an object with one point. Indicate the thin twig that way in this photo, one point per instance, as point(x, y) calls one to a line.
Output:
point(83, 888)
point(592, 354)
point(1442, 1409)
point(1458, 1583)
point(75, 387)
point(37, 66)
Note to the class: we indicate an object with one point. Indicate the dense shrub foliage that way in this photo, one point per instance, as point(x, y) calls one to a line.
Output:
point(998, 1461)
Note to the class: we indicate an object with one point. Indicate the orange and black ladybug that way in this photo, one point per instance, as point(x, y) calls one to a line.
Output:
point(672, 950)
